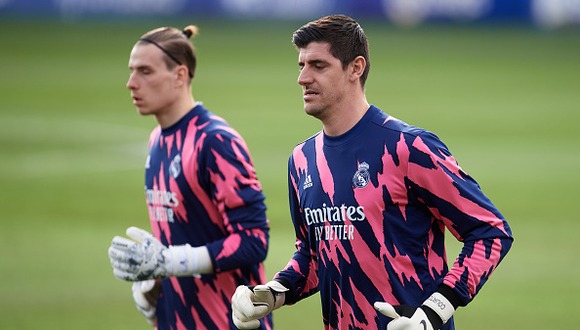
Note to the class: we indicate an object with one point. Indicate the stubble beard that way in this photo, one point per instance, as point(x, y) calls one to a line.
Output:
point(316, 111)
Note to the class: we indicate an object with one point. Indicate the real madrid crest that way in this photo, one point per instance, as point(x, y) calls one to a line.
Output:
point(361, 177)
point(175, 167)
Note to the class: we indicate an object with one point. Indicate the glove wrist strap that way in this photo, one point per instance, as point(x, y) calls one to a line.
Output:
point(279, 293)
point(440, 305)
point(184, 260)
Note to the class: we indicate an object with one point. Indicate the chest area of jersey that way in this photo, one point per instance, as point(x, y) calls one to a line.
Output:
point(165, 177)
point(166, 159)
point(350, 179)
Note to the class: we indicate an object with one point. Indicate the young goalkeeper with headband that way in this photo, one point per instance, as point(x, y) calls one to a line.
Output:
point(206, 206)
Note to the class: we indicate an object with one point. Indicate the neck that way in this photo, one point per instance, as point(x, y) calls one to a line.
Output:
point(344, 117)
point(175, 112)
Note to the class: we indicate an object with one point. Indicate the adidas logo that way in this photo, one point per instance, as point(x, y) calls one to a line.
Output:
point(307, 182)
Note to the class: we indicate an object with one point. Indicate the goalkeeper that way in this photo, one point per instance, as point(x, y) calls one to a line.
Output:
point(371, 198)
point(208, 219)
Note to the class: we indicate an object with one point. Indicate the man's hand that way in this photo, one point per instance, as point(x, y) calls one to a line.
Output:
point(145, 295)
point(140, 258)
point(249, 305)
point(434, 312)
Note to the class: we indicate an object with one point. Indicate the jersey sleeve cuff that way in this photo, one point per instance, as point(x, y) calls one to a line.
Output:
point(453, 297)
point(289, 298)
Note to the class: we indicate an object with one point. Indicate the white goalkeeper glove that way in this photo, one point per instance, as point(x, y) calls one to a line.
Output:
point(434, 312)
point(145, 295)
point(143, 257)
point(249, 305)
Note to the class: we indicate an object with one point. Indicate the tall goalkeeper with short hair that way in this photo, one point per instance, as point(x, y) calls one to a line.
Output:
point(371, 198)
point(206, 206)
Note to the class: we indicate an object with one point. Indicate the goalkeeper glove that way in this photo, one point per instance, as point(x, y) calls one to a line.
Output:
point(434, 312)
point(145, 295)
point(143, 257)
point(251, 304)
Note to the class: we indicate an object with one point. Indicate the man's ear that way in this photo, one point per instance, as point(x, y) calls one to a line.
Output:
point(358, 66)
point(182, 74)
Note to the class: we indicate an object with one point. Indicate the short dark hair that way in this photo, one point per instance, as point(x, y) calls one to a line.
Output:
point(346, 38)
point(175, 45)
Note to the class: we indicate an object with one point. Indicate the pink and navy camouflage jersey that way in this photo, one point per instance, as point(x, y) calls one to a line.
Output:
point(370, 209)
point(202, 189)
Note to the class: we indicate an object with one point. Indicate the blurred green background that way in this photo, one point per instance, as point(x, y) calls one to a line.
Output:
point(505, 99)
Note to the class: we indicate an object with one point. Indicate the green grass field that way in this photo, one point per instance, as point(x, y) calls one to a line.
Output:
point(72, 149)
